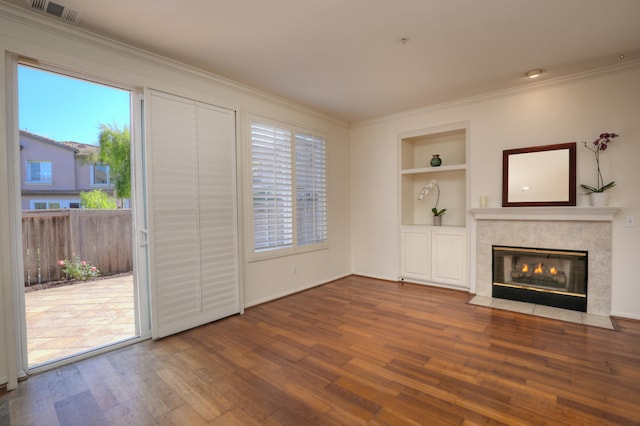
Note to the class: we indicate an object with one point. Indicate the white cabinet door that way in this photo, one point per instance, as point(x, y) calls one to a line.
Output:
point(415, 256)
point(435, 255)
point(448, 261)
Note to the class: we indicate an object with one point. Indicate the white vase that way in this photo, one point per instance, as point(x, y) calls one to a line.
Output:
point(599, 199)
point(437, 221)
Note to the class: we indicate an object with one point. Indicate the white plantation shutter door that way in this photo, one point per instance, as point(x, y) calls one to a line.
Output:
point(192, 199)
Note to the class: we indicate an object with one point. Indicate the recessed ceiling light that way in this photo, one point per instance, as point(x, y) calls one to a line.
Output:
point(533, 73)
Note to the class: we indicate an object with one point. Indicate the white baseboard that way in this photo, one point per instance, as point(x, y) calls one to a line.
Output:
point(292, 291)
point(625, 315)
point(432, 284)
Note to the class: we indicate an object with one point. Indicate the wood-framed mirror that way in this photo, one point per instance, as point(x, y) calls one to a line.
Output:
point(539, 176)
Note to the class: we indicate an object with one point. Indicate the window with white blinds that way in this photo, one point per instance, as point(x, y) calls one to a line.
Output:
point(272, 192)
point(311, 190)
point(288, 175)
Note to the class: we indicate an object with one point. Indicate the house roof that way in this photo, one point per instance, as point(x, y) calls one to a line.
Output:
point(79, 149)
point(42, 139)
point(362, 59)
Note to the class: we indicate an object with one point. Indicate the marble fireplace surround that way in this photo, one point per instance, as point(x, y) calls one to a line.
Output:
point(572, 228)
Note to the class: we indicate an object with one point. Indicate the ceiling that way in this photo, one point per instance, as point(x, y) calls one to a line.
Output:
point(360, 59)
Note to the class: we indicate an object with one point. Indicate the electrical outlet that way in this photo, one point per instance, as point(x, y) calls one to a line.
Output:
point(630, 221)
point(294, 270)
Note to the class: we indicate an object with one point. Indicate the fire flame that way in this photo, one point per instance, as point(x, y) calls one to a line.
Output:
point(553, 270)
point(525, 268)
point(538, 269)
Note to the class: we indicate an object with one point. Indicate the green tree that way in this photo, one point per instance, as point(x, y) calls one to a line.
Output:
point(115, 152)
point(97, 199)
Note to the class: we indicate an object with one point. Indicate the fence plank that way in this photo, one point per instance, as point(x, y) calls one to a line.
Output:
point(102, 237)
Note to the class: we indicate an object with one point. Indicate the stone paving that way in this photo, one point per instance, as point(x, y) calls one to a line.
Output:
point(72, 319)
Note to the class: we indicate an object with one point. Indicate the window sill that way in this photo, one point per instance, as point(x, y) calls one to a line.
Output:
point(290, 251)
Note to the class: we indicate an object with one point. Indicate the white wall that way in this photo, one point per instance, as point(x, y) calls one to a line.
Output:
point(576, 109)
point(64, 47)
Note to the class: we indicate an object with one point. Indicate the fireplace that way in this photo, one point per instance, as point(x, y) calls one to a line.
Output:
point(542, 276)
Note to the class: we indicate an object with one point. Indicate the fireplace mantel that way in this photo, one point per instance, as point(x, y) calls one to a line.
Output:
point(597, 214)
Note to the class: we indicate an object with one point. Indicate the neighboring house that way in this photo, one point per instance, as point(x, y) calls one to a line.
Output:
point(53, 173)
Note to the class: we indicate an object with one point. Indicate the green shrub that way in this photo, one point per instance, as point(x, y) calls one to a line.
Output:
point(97, 199)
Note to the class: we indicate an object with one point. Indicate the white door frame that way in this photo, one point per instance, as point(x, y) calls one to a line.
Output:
point(14, 302)
point(11, 263)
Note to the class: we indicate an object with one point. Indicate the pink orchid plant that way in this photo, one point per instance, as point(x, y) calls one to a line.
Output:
point(596, 147)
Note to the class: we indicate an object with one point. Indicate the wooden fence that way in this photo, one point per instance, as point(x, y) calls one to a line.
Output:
point(101, 237)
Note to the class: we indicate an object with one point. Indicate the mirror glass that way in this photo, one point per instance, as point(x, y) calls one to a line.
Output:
point(539, 176)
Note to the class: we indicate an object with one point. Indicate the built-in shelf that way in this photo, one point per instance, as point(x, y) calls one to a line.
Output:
point(424, 227)
point(600, 214)
point(434, 169)
point(416, 150)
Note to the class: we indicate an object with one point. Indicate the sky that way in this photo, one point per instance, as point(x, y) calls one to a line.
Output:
point(67, 109)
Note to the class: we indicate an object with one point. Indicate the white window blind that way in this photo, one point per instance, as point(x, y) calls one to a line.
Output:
point(288, 176)
point(311, 189)
point(272, 191)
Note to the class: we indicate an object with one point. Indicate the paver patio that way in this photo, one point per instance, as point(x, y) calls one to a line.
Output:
point(71, 319)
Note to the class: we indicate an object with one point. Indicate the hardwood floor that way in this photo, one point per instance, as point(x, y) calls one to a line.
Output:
point(354, 351)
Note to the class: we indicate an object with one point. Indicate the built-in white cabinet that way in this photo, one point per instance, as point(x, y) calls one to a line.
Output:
point(415, 256)
point(448, 256)
point(434, 254)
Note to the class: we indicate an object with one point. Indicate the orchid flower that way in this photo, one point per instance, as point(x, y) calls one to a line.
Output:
point(427, 188)
point(599, 144)
point(425, 191)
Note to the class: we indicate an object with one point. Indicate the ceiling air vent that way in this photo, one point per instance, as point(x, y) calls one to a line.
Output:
point(55, 9)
